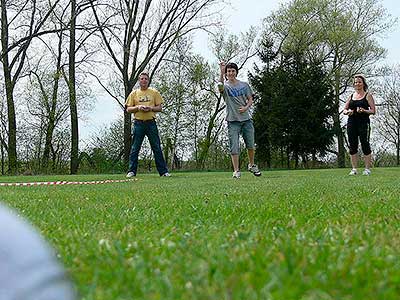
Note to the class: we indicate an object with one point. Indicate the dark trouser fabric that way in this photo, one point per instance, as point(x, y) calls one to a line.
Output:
point(149, 129)
point(359, 131)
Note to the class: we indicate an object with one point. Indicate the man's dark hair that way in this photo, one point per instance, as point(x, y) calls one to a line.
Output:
point(231, 65)
point(145, 74)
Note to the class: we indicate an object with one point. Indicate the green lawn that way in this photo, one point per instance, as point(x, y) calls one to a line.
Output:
point(312, 234)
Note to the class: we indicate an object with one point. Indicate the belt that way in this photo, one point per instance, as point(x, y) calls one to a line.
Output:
point(144, 121)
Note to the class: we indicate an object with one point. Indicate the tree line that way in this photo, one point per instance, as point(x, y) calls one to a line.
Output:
point(307, 53)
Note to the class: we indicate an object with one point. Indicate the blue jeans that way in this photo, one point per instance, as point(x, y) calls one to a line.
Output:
point(149, 129)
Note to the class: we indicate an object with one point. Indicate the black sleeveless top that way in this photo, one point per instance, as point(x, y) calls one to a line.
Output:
point(354, 104)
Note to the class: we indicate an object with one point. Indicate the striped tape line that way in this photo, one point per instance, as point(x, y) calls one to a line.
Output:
point(63, 182)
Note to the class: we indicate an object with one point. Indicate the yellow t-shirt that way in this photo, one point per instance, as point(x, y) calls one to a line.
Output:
point(149, 97)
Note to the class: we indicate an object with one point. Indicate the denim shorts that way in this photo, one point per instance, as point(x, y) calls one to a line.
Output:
point(237, 128)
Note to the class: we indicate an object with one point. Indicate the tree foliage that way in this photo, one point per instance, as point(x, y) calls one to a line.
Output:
point(342, 35)
point(293, 111)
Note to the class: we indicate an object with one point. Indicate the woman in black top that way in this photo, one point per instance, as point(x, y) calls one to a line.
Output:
point(358, 107)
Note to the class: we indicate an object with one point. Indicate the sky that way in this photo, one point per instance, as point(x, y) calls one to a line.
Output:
point(239, 16)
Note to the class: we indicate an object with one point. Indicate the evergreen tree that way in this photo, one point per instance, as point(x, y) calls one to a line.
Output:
point(293, 112)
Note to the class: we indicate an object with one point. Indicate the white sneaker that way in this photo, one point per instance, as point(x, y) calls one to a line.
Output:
point(353, 172)
point(130, 174)
point(166, 174)
point(236, 175)
point(367, 172)
point(254, 169)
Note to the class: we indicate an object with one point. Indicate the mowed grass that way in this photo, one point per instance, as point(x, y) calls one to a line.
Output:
point(312, 234)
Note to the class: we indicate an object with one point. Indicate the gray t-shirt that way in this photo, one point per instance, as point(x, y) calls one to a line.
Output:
point(235, 96)
point(29, 269)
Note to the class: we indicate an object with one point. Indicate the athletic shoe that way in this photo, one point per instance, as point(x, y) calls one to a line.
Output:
point(367, 172)
point(236, 175)
point(353, 172)
point(166, 174)
point(254, 169)
point(130, 174)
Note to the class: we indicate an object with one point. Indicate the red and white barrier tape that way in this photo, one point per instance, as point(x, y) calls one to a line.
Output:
point(63, 182)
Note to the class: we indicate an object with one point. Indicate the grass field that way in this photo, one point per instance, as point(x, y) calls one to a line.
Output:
point(312, 234)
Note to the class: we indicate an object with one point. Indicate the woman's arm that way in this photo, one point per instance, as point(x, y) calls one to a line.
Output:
point(346, 109)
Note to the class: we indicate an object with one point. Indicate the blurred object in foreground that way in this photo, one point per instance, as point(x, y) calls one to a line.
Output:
point(29, 269)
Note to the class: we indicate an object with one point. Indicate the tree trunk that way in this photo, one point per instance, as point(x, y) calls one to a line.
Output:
point(127, 137)
point(314, 161)
point(209, 139)
point(288, 158)
point(268, 153)
point(47, 146)
point(52, 112)
point(72, 95)
point(167, 152)
point(340, 140)
point(2, 158)
point(336, 123)
point(12, 124)
point(174, 141)
point(398, 140)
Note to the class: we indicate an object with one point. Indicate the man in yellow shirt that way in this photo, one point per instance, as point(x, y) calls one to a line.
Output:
point(144, 103)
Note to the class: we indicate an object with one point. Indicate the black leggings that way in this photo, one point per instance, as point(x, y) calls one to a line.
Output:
point(359, 130)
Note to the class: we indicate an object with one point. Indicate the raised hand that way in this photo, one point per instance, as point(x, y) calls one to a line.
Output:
point(222, 67)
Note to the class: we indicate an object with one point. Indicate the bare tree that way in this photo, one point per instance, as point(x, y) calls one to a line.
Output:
point(185, 81)
point(389, 110)
point(46, 104)
point(80, 29)
point(174, 81)
point(28, 20)
point(49, 82)
point(138, 34)
point(47, 109)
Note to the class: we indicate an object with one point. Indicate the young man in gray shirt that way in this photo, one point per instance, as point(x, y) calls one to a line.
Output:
point(238, 97)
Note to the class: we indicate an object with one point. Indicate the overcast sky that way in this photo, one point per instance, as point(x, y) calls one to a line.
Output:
point(244, 13)
point(239, 16)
